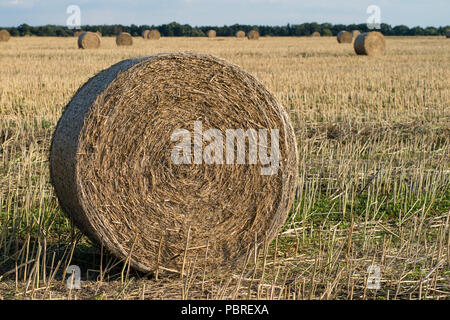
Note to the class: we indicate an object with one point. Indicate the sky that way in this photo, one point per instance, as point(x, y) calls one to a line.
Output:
point(224, 12)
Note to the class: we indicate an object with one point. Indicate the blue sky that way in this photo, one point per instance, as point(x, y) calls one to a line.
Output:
point(224, 12)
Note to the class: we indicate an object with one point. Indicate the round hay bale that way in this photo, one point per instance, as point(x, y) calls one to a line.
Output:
point(211, 33)
point(124, 39)
point(145, 34)
point(98, 33)
point(240, 34)
point(112, 167)
point(370, 44)
point(89, 40)
point(344, 37)
point(355, 33)
point(253, 35)
point(78, 33)
point(4, 35)
point(154, 35)
point(315, 34)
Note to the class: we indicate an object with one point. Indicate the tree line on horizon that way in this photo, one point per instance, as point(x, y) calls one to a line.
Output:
point(175, 29)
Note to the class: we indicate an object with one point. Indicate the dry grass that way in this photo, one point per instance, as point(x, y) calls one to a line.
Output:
point(374, 177)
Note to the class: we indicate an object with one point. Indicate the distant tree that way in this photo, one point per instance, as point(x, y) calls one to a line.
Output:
point(431, 31)
point(326, 32)
point(417, 31)
point(401, 30)
point(176, 29)
point(14, 32)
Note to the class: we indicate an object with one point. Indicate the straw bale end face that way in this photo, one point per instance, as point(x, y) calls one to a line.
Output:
point(370, 44)
point(240, 34)
point(253, 35)
point(344, 37)
point(78, 33)
point(315, 34)
point(145, 34)
point(113, 169)
point(89, 40)
point(154, 35)
point(211, 34)
point(355, 33)
point(124, 39)
point(4, 35)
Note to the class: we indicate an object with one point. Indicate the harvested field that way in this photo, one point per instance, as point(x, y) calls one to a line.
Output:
point(373, 176)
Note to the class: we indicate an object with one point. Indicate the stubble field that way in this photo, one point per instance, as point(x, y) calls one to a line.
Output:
point(373, 181)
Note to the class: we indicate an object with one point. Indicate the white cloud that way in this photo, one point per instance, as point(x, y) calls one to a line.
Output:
point(17, 3)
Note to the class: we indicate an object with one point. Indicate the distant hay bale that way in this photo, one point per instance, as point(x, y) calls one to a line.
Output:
point(315, 34)
point(370, 44)
point(154, 35)
point(89, 40)
point(78, 33)
point(211, 34)
point(253, 35)
point(145, 34)
point(112, 167)
point(344, 37)
point(355, 33)
point(448, 34)
point(240, 34)
point(4, 35)
point(124, 39)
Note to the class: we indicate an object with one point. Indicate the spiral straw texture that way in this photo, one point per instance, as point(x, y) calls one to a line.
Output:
point(112, 170)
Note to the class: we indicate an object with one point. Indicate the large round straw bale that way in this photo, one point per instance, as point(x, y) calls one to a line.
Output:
point(124, 39)
point(344, 37)
point(315, 34)
point(4, 35)
point(98, 33)
point(113, 169)
point(145, 34)
point(89, 40)
point(154, 35)
point(211, 33)
point(370, 43)
point(355, 33)
point(240, 34)
point(253, 35)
